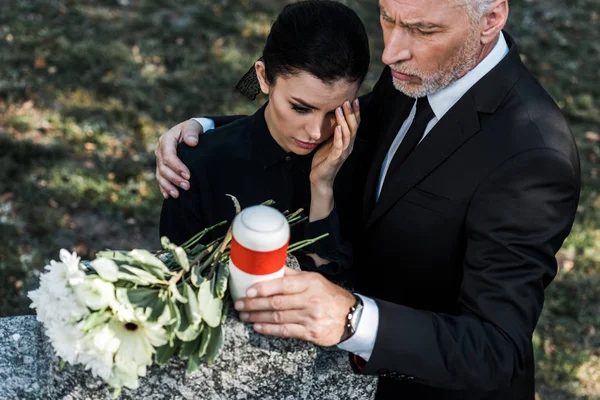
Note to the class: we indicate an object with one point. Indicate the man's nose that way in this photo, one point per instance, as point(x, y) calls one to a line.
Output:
point(397, 47)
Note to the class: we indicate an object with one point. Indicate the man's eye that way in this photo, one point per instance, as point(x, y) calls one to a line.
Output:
point(426, 33)
point(300, 110)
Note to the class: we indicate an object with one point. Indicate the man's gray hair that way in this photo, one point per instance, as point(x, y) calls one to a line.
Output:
point(476, 8)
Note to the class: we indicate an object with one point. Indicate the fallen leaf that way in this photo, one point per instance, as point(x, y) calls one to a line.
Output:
point(592, 136)
point(39, 63)
point(52, 203)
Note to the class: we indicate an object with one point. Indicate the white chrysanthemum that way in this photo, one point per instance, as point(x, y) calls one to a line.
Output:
point(98, 351)
point(138, 339)
point(74, 273)
point(95, 292)
point(61, 306)
point(66, 339)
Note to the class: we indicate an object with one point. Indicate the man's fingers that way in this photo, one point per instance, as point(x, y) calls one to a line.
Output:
point(173, 178)
point(166, 188)
point(166, 156)
point(190, 132)
point(273, 303)
point(286, 330)
point(290, 284)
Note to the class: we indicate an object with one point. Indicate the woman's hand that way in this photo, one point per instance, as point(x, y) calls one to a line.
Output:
point(330, 157)
point(170, 171)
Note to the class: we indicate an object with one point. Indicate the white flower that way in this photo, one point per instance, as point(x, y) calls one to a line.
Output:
point(95, 292)
point(106, 268)
point(98, 351)
point(124, 374)
point(74, 274)
point(138, 338)
point(121, 307)
point(54, 304)
point(66, 340)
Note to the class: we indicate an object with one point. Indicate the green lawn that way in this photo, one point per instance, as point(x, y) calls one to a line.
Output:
point(87, 87)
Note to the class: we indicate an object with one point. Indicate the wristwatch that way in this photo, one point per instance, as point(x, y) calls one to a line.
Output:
point(353, 317)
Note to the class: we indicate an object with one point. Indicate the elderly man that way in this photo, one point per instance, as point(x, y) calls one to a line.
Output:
point(465, 190)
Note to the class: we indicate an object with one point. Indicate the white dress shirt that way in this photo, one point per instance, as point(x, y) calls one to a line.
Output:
point(363, 340)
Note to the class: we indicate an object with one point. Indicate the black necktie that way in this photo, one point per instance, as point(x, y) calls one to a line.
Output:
point(422, 117)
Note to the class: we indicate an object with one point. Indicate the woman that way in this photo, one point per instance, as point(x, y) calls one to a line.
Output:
point(315, 58)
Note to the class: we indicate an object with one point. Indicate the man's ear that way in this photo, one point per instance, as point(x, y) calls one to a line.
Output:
point(494, 20)
point(261, 74)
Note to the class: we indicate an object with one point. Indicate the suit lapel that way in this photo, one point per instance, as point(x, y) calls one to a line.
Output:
point(455, 128)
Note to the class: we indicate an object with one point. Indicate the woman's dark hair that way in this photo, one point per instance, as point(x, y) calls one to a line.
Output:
point(322, 37)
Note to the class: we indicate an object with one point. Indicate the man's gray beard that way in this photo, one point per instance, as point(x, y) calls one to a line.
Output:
point(464, 61)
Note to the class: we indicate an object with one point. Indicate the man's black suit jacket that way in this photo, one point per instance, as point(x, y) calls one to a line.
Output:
point(460, 246)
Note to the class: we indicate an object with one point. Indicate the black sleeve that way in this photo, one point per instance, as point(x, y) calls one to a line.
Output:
point(183, 217)
point(332, 247)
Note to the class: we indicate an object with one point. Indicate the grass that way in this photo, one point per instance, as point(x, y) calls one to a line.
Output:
point(87, 87)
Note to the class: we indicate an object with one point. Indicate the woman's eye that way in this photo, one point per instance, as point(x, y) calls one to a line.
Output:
point(300, 110)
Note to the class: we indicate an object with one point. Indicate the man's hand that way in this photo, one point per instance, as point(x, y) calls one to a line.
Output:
point(301, 305)
point(170, 171)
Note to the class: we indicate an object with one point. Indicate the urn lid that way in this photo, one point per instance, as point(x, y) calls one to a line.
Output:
point(261, 228)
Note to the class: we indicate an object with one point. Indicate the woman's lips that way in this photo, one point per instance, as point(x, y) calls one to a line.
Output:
point(305, 145)
point(402, 77)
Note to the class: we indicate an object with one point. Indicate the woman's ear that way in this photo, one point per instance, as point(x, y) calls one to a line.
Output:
point(261, 74)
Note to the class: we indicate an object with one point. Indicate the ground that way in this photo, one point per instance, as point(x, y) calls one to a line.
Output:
point(86, 88)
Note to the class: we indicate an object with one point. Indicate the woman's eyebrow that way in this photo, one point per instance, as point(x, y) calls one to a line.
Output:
point(305, 104)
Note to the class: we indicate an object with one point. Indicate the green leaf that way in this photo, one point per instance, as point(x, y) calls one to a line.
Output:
point(145, 277)
point(221, 279)
point(142, 297)
point(118, 256)
point(215, 344)
point(181, 258)
point(176, 317)
point(204, 340)
point(193, 364)
point(190, 333)
point(225, 311)
point(192, 308)
point(158, 307)
point(211, 308)
point(189, 348)
point(95, 319)
point(164, 353)
point(184, 322)
point(175, 292)
point(150, 263)
point(197, 278)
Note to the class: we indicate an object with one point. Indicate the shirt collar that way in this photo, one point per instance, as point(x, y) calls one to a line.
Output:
point(443, 100)
point(265, 146)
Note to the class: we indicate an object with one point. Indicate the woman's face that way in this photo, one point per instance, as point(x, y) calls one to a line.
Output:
point(301, 110)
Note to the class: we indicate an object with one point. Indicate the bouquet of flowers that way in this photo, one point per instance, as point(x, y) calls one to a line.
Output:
point(121, 311)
